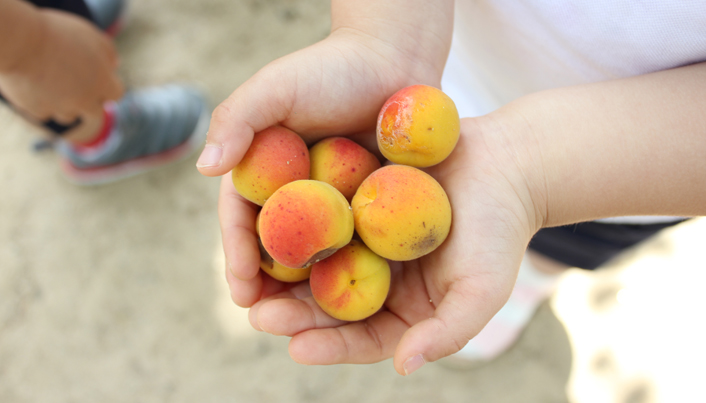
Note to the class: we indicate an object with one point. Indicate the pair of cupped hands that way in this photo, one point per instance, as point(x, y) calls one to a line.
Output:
point(438, 302)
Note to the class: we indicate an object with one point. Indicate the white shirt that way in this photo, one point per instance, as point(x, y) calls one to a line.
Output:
point(504, 49)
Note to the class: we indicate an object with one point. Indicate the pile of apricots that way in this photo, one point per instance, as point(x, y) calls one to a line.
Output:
point(314, 200)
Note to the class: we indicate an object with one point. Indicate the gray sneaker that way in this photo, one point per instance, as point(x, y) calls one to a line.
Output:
point(109, 15)
point(150, 128)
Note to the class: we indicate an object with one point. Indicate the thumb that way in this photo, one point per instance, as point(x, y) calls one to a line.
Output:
point(262, 101)
point(461, 315)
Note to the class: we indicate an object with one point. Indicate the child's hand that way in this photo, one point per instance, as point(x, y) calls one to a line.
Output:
point(335, 87)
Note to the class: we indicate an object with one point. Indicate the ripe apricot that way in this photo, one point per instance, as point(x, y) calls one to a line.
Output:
point(276, 157)
point(418, 126)
point(280, 272)
point(352, 284)
point(401, 212)
point(341, 163)
point(305, 221)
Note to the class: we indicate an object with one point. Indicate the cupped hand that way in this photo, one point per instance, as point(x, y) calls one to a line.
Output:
point(335, 87)
point(436, 303)
point(72, 72)
point(332, 88)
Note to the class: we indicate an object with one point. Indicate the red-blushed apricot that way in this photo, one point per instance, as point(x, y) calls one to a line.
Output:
point(341, 163)
point(418, 126)
point(352, 284)
point(401, 212)
point(305, 221)
point(279, 271)
point(276, 157)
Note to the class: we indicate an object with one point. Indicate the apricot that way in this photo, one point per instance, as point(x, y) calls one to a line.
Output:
point(276, 157)
point(418, 126)
point(280, 272)
point(275, 269)
point(341, 163)
point(401, 212)
point(352, 284)
point(305, 221)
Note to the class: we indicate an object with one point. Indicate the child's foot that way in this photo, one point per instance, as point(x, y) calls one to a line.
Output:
point(531, 289)
point(109, 15)
point(144, 130)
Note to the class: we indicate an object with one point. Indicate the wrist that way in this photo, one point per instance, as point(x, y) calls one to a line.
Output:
point(506, 137)
point(413, 36)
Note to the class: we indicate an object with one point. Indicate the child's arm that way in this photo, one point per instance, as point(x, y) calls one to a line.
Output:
point(635, 146)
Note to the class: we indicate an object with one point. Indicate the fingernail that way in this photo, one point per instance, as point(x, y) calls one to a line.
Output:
point(210, 156)
point(261, 329)
point(413, 364)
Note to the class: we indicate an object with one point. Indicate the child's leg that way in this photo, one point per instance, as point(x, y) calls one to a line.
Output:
point(106, 14)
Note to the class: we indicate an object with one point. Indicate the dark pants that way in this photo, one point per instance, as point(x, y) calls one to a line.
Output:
point(589, 245)
point(77, 7)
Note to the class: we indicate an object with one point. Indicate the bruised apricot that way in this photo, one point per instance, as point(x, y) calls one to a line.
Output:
point(401, 212)
point(305, 221)
point(418, 126)
point(276, 157)
point(280, 272)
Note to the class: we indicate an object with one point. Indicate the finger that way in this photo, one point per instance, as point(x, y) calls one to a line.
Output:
point(276, 289)
point(461, 315)
point(256, 105)
point(244, 293)
point(237, 219)
point(364, 342)
point(291, 312)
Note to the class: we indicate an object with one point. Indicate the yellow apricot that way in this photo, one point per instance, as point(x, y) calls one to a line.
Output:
point(401, 213)
point(341, 163)
point(305, 221)
point(418, 126)
point(352, 284)
point(276, 157)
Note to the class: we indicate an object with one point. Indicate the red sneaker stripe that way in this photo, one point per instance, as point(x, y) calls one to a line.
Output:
point(103, 134)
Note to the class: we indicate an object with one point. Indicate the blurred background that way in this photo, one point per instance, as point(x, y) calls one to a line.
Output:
point(117, 293)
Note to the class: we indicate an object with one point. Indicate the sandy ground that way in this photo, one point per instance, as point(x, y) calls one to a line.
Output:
point(116, 293)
